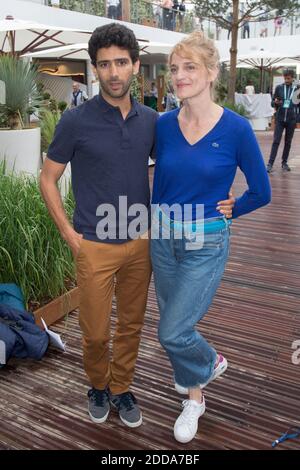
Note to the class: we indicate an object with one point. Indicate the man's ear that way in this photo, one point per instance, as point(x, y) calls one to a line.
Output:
point(94, 71)
point(136, 67)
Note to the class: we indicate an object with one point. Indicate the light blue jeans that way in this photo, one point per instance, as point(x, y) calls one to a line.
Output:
point(186, 281)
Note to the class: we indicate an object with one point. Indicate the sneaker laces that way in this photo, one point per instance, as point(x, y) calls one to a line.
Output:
point(97, 396)
point(188, 412)
point(127, 401)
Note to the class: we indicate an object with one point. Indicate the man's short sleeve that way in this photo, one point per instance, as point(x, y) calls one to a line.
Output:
point(62, 147)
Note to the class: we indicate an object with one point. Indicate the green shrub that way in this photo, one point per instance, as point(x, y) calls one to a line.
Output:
point(48, 123)
point(237, 108)
point(220, 92)
point(135, 89)
point(62, 106)
point(93, 7)
point(32, 252)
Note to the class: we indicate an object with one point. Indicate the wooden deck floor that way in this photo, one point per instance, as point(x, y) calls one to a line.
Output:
point(254, 319)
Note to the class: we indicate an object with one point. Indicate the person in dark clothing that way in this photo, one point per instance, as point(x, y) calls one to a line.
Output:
point(182, 10)
point(285, 118)
point(112, 9)
point(174, 14)
point(167, 7)
point(246, 28)
point(229, 18)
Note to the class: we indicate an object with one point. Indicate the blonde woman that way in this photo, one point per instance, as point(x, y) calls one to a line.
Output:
point(199, 148)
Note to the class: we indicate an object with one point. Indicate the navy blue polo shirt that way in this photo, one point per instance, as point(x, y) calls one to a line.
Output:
point(109, 159)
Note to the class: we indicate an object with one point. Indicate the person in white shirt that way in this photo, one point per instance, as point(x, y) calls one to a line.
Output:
point(78, 96)
point(112, 9)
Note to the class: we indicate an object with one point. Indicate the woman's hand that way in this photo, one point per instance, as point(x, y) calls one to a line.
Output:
point(225, 207)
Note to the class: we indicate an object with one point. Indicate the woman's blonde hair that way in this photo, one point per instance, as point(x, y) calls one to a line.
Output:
point(200, 50)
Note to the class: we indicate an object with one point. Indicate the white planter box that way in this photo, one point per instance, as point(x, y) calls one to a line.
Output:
point(21, 149)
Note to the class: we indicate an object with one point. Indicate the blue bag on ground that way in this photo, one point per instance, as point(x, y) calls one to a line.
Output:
point(21, 336)
point(11, 294)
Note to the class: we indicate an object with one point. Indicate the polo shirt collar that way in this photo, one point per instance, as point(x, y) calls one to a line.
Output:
point(105, 106)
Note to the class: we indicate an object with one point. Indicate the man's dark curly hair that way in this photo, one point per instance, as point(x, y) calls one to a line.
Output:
point(113, 34)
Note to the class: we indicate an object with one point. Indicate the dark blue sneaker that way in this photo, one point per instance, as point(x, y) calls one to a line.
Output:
point(128, 409)
point(98, 405)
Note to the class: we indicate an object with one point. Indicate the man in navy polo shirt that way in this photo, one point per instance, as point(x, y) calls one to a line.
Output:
point(108, 140)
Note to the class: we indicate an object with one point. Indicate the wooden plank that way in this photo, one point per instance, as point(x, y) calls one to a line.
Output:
point(253, 321)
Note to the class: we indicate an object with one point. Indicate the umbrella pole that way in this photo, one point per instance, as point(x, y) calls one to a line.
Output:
point(271, 80)
point(261, 70)
point(261, 78)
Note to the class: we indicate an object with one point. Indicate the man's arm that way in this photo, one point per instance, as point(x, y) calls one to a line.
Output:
point(277, 99)
point(51, 172)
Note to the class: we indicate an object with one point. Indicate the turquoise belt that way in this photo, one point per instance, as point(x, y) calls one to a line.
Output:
point(206, 225)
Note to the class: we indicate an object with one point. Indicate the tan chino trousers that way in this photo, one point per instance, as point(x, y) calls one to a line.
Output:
point(98, 265)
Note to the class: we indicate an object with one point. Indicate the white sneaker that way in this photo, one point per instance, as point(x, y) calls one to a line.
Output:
point(186, 425)
point(219, 370)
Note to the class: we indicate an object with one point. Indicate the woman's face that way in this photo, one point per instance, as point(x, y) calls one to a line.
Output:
point(189, 79)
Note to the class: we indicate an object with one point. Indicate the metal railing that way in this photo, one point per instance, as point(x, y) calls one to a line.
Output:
point(141, 12)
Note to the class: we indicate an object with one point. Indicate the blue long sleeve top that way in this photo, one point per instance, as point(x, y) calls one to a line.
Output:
point(203, 173)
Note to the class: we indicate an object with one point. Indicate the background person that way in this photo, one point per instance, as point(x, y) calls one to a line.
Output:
point(285, 119)
point(78, 96)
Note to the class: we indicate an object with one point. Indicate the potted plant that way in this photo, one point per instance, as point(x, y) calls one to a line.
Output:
point(19, 140)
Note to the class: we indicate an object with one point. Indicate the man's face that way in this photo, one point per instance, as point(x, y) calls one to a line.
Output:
point(115, 71)
point(288, 79)
point(75, 87)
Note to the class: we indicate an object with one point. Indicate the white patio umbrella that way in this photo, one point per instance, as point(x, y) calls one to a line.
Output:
point(75, 51)
point(21, 37)
point(80, 50)
point(265, 60)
